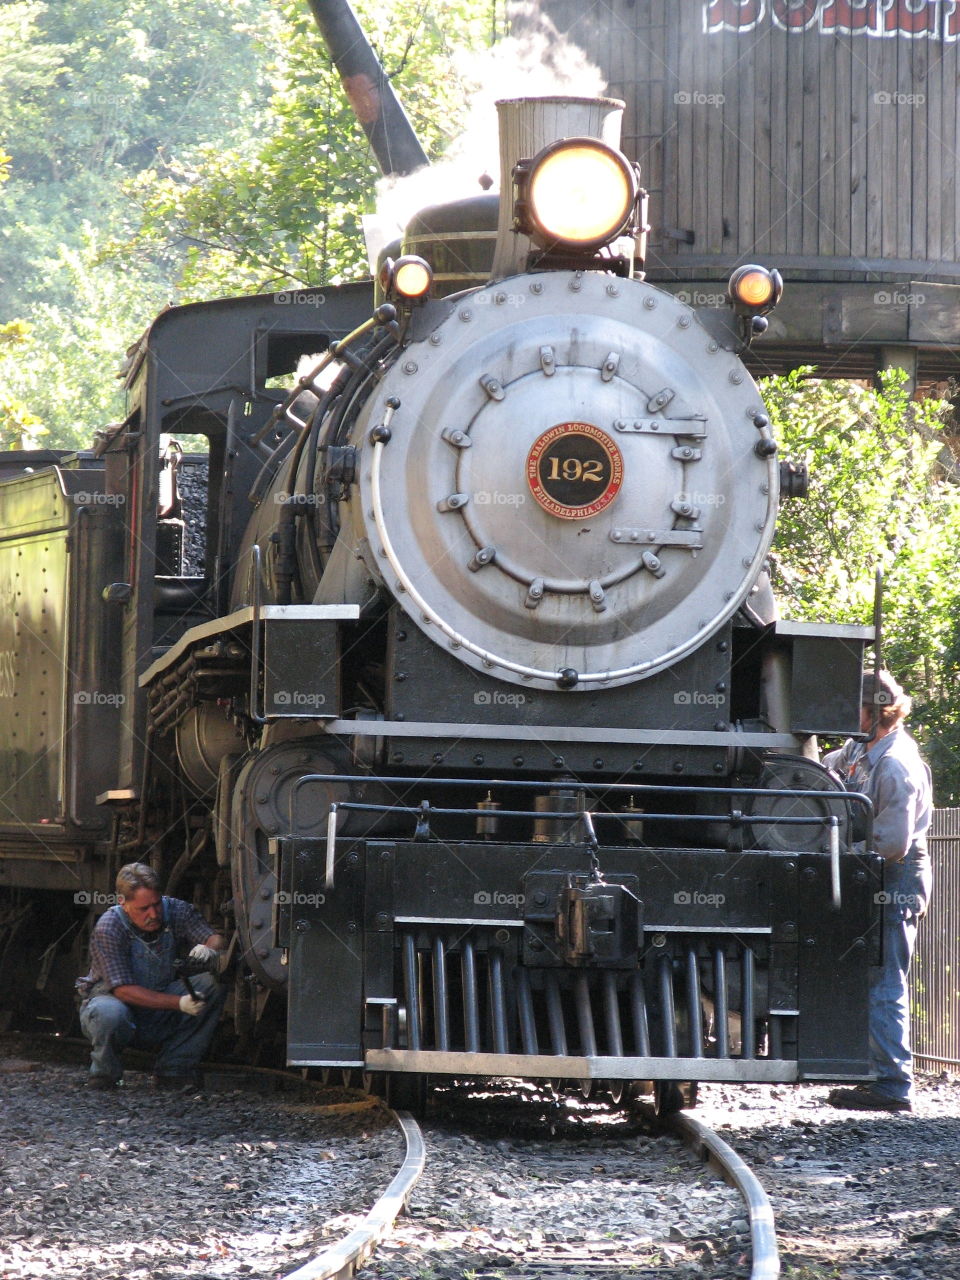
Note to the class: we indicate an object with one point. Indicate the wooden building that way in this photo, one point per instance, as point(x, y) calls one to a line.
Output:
point(818, 136)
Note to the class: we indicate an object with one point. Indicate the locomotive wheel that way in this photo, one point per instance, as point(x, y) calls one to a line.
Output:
point(671, 1096)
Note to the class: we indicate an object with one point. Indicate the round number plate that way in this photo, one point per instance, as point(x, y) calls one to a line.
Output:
point(574, 470)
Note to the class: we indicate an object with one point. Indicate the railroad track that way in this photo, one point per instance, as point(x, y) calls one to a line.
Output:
point(345, 1258)
point(709, 1146)
point(599, 1154)
point(445, 1241)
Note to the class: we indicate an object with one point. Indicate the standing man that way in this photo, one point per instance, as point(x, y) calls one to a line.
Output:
point(133, 995)
point(889, 769)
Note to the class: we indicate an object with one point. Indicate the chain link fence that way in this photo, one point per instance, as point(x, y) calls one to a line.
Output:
point(935, 974)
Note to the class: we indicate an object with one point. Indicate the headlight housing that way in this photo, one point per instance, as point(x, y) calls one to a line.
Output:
point(577, 195)
point(408, 277)
point(753, 290)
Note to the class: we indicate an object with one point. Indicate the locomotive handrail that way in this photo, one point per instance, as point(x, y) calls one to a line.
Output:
point(746, 819)
point(331, 846)
point(835, 862)
point(588, 817)
point(255, 645)
point(657, 788)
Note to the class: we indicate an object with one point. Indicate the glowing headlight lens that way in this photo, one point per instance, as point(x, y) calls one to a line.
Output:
point(755, 289)
point(580, 193)
point(412, 277)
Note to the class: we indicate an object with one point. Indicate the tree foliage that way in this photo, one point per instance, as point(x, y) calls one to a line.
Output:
point(173, 150)
point(879, 500)
point(284, 205)
point(91, 92)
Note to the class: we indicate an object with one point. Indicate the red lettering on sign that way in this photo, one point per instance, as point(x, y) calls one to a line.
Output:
point(915, 19)
point(912, 18)
point(732, 15)
point(794, 15)
point(847, 16)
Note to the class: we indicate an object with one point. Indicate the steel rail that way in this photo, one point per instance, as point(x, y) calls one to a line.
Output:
point(710, 1147)
point(344, 1258)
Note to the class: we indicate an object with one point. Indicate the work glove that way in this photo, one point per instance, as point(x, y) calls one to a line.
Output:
point(191, 1005)
point(203, 955)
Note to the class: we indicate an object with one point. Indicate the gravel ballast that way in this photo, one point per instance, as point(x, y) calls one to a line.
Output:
point(145, 1186)
point(136, 1185)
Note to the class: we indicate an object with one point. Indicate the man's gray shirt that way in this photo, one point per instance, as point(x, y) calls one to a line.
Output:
point(896, 778)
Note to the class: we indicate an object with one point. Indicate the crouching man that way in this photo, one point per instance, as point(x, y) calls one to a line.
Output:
point(133, 995)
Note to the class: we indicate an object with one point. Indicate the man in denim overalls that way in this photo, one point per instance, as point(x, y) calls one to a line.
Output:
point(890, 770)
point(133, 995)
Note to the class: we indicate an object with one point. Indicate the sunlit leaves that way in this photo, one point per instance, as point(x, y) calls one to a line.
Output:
point(883, 495)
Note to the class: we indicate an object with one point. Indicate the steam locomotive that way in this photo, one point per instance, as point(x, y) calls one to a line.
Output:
point(449, 683)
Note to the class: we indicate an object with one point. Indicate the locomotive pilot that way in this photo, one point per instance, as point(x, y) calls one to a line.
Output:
point(889, 769)
point(133, 996)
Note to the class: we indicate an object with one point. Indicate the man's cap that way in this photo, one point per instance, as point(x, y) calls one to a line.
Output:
point(880, 690)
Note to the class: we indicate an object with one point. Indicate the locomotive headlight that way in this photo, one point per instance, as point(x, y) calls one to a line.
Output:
point(754, 290)
point(409, 277)
point(578, 194)
point(412, 277)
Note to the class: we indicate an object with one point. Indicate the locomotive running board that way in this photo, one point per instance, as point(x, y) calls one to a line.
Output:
point(525, 1066)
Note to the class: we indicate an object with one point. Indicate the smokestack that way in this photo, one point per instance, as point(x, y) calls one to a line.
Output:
point(527, 125)
point(371, 95)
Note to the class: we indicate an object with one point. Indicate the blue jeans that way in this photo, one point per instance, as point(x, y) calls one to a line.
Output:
point(907, 892)
point(181, 1039)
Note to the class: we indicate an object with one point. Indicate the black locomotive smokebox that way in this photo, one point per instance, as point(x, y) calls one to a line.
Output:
point(457, 239)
